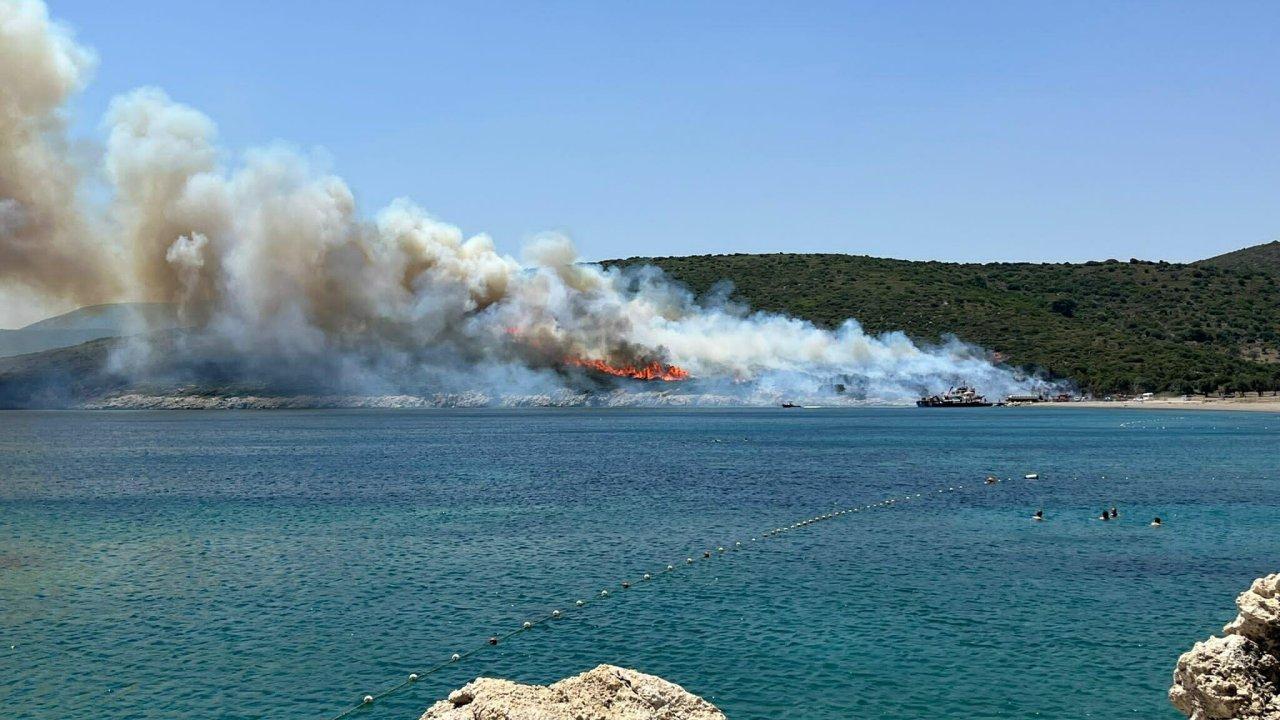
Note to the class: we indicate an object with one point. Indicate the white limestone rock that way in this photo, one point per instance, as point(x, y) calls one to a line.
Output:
point(1236, 677)
point(1259, 617)
point(605, 693)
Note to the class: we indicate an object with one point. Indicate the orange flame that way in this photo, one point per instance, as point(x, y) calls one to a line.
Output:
point(653, 371)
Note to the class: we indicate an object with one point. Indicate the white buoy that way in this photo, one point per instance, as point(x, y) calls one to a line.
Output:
point(647, 576)
point(527, 625)
point(368, 699)
point(413, 677)
point(604, 593)
point(688, 561)
point(555, 613)
point(670, 568)
point(580, 603)
point(455, 657)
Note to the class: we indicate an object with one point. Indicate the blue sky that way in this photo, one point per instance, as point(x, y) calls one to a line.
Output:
point(952, 131)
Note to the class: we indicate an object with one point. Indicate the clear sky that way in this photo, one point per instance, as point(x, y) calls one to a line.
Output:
point(955, 131)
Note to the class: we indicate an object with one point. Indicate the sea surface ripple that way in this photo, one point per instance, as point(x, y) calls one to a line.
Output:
point(281, 564)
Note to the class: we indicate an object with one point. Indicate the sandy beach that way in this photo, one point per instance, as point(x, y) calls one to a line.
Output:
point(1266, 403)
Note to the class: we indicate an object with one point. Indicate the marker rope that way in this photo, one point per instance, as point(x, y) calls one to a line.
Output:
point(582, 604)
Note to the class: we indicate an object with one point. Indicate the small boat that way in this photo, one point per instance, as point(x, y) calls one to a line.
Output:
point(1032, 476)
point(789, 405)
point(992, 480)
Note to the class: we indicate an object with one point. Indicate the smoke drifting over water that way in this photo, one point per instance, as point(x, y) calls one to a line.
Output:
point(285, 284)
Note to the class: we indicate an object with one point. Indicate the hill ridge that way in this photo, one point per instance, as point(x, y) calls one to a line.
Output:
point(1112, 326)
point(1265, 256)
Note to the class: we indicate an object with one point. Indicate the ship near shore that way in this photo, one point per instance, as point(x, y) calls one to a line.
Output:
point(963, 396)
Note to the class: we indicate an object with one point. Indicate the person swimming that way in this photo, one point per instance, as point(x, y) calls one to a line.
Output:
point(1157, 522)
point(1104, 516)
point(992, 480)
point(1038, 516)
point(1114, 513)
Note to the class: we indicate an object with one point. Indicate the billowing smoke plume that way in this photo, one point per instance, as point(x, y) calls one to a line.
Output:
point(47, 245)
point(283, 282)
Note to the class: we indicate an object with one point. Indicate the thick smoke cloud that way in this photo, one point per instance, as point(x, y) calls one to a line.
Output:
point(282, 281)
point(47, 245)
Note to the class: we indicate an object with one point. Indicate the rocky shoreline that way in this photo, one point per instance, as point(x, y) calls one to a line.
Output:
point(1236, 677)
point(248, 401)
point(198, 399)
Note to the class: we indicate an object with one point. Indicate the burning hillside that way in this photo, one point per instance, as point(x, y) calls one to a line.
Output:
point(282, 281)
point(650, 371)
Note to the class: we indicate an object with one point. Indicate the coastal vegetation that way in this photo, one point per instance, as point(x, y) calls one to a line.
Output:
point(1110, 326)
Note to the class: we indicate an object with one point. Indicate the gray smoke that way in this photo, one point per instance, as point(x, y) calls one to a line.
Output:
point(284, 281)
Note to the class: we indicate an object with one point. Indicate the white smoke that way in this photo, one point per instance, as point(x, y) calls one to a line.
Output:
point(284, 282)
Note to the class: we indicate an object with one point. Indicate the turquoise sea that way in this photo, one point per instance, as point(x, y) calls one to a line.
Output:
point(282, 564)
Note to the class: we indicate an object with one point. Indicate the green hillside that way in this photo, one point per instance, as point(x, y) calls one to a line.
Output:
point(1259, 257)
point(1110, 326)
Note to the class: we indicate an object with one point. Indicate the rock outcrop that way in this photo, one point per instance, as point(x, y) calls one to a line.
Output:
point(605, 693)
point(1236, 677)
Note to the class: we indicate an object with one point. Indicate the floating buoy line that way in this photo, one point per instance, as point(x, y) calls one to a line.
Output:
point(582, 603)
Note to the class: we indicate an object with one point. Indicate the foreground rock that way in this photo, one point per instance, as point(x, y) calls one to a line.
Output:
point(1237, 676)
point(605, 693)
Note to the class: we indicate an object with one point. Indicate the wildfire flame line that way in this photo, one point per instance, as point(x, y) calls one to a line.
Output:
point(652, 371)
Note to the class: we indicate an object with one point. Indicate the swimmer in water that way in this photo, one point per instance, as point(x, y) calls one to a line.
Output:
point(1114, 513)
point(1038, 516)
point(1104, 516)
point(1156, 522)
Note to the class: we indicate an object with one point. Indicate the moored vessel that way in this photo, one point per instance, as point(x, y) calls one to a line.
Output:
point(962, 396)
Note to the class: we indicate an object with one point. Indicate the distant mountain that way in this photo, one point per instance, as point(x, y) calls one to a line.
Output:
point(87, 323)
point(1257, 257)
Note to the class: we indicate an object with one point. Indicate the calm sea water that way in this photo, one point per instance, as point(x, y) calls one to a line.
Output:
point(281, 564)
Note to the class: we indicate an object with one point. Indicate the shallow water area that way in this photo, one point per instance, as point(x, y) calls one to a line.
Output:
point(282, 564)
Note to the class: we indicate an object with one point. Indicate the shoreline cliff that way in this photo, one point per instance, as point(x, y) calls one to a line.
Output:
point(1237, 676)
